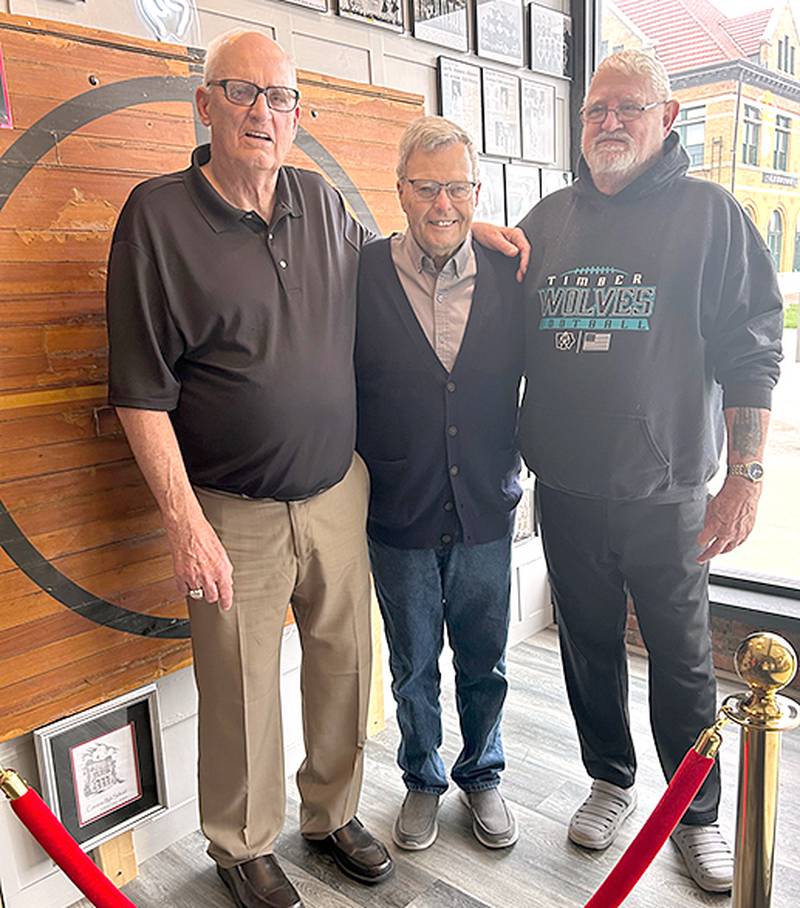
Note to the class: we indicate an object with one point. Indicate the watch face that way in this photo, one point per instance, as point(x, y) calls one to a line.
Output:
point(755, 471)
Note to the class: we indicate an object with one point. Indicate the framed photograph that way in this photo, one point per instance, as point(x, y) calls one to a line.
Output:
point(441, 22)
point(102, 770)
point(321, 6)
point(491, 205)
point(460, 96)
point(501, 118)
point(553, 180)
point(523, 190)
point(498, 27)
point(6, 121)
point(538, 122)
point(386, 13)
point(551, 42)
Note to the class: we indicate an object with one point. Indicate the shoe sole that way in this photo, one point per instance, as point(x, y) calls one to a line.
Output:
point(416, 846)
point(479, 835)
point(595, 845)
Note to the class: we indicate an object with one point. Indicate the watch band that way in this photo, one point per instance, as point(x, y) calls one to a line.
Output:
point(754, 471)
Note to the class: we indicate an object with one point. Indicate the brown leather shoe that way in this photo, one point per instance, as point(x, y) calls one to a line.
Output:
point(358, 854)
point(260, 883)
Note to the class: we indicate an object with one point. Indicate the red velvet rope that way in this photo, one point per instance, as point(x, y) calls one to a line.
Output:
point(640, 853)
point(62, 848)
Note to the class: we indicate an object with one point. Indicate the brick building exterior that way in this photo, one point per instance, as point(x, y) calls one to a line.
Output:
point(738, 81)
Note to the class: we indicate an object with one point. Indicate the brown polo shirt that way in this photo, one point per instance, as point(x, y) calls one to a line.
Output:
point(242, 330)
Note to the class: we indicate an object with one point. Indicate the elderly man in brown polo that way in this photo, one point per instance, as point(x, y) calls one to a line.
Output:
point(231, 311)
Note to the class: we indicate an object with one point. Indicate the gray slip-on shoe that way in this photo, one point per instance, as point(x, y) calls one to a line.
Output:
point(493, 821)
point(415, 827)
point(596, 823)
point(707, 856)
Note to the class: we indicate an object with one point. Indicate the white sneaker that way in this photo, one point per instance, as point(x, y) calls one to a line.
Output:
point(707, 856)
point(597, 821)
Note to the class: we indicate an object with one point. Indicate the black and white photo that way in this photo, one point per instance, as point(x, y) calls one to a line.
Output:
point(552, 180)
point(501, 117)
point(551, 42)
point(441, 22)
point(460, 96)
point(538, 122)
point(498, 27)
point(491, 205)
point(102, 770)
point(386, 13)
point(523, 190)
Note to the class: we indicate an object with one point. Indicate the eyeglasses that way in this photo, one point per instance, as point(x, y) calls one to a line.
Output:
point(596, 113)
point(428, 190)
point(245, 94)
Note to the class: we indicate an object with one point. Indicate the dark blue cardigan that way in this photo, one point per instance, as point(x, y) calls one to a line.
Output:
point(440, 447)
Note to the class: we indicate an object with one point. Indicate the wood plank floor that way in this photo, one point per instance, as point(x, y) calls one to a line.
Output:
point(545, 782)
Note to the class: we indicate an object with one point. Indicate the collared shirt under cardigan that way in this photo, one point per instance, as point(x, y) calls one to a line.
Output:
point(441, 299)
point(440, 444)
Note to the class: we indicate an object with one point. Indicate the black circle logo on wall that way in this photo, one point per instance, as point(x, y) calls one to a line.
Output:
point(15, 164)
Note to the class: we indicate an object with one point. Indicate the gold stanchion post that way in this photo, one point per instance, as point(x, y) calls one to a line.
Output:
point(767, 663)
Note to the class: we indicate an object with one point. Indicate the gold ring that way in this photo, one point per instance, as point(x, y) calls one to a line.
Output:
point(196, 594)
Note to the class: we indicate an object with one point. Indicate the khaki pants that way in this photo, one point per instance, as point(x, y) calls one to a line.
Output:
point(311, 554)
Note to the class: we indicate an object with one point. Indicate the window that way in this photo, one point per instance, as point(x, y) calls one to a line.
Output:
point(691, 127)
point(796, 259)
point(771, 555)
point(775, 238)
point(786, 55)
point(752, 134)
point(783, 127)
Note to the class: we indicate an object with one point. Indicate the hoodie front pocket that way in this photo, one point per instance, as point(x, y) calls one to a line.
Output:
point(600, 455)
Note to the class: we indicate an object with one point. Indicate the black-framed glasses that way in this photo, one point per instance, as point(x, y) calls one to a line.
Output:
point(245, 94)
point(428, 190)
point(629, 110)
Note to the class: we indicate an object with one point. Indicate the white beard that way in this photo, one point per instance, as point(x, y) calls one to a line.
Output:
point(603, 159)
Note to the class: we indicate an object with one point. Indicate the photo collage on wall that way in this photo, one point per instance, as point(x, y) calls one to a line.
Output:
point(512, 117)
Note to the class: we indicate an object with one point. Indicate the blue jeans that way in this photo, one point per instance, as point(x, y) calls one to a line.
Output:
point(466, 589)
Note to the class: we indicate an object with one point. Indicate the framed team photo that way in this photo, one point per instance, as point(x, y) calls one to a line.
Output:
point(498, 29)
point(491, 205)
point(460, 96)
point(102, 770)
point(386, 13)
point(553, 180)
point(551, 42)
point(538, 102)
point(523, 190)
point(442, 22)
point(501, 115)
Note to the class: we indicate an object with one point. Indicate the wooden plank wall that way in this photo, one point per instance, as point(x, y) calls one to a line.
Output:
point(77, 524)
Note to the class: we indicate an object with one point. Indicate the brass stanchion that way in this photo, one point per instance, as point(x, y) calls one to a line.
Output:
point(12, 784)
point(767, 663)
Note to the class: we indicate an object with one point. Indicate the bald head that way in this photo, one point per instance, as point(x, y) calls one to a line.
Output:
point(245, 49)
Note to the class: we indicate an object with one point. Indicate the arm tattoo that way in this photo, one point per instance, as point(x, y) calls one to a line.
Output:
point(746, 432)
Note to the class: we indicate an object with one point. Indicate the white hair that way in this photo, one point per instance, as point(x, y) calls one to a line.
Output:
point(218, 44)
point(638, 65)
point(430, 133)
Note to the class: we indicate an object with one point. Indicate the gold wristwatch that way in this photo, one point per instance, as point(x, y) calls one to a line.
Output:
point(754, 471)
